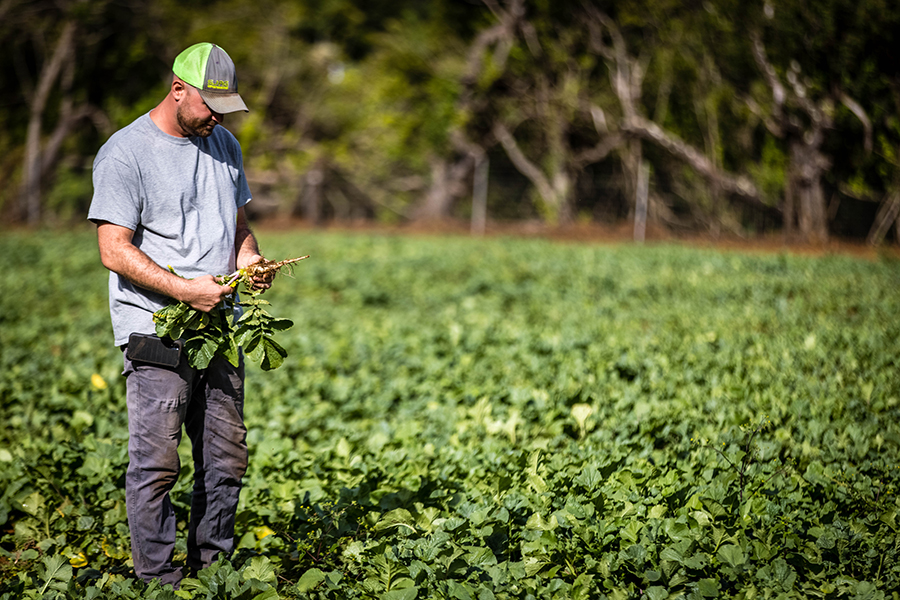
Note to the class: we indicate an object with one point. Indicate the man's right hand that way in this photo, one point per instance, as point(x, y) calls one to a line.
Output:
point(204, 293)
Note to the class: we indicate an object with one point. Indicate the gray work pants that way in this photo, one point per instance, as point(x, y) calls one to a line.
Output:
point(210, 406)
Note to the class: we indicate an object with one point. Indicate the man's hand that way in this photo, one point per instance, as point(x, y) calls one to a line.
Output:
point(260, 282)
point(204, 293)
point(247, 250)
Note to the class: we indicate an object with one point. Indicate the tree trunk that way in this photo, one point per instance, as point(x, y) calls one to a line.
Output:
point(446, 186)
point(632, 158)
point(554, 191)
point(897, 230)
point(312, 195)
point(479, 194)
point(790, 211)
point(888, 214)
point(640, 202)
point(562, 184)
point(806, 168)
point(34, 167)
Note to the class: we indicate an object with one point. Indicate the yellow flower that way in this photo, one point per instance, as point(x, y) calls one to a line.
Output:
point(98, 382)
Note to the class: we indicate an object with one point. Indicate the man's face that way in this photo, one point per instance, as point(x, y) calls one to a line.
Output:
point(194, 116)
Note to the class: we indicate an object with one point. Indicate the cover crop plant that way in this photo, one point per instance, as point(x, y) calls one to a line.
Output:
point(207, 335)
point(487, 418)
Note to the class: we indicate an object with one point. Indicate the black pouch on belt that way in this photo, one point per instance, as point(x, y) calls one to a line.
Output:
point(153, 349)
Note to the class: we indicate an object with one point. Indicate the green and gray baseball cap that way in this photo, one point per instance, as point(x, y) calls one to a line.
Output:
point(209, 69)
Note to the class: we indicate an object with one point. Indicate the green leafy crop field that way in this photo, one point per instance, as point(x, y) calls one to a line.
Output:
point(484, 419)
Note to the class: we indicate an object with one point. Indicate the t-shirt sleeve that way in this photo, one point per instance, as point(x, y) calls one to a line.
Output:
point(243, 188)
point(117, 197)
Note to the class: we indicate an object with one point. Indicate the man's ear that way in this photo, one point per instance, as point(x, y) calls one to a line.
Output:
point(179, 89)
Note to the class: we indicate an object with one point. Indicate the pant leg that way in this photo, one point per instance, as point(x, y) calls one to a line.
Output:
point(157, 399)
point(215, 425)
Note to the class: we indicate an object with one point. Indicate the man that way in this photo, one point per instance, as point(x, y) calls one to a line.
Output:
point(169, 190)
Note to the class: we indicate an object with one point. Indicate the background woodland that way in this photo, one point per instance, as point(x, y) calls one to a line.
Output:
point(714, 117)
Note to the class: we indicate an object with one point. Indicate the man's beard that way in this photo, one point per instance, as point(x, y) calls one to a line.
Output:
point(195, 127)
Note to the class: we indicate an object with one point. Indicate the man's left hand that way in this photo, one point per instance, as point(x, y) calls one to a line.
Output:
point(261, 282)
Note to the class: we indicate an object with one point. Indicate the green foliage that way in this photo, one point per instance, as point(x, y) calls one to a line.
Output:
point(376, 93)
point(488, 418)
point(255, 332)
point(222, 582)
point(207, 335)
point(769, 172)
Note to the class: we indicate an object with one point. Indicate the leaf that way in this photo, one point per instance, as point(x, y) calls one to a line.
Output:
point(408, 593)
point(590, 478)
point(480, 557)
point(34, 504)
point(537, 483)
point(731, 555)
point(453, 523)
point(243, 337)
point(671, 554)
point(274, 355)
point(260, 568)
point(78, 560)
point(309, 580)
point(701, 517)
point(784, 573)
point(533, 565)
point(708, 588)
point(630, 532)
point(697, 562)
point(581, 588)
point(280, 324)
point(56, 572)
point(656, 592)
point(231, 352)
point(581, 412)
point(200, 350)
point(426, 517)
point(537, 521)
point(399, 517)
point(252, 344)
point(196, 319)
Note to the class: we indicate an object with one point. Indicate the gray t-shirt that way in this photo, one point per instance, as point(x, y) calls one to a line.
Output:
point(180, 196)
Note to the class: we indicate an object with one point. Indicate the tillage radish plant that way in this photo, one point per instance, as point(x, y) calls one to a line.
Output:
point(216, 333)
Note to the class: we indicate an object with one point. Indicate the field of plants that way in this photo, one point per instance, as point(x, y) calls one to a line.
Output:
point(478, 419)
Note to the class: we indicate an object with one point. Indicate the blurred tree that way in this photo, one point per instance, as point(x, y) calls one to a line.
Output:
point(819, 63)
point(685, 106)
point(534, 95)
point(43, 56)
point(385, 108)
point(58, 59)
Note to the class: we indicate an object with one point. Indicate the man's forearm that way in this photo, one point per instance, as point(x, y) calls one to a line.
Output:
point(134, 265)
point(246, 249)
point(247, 252)
point(121, 256)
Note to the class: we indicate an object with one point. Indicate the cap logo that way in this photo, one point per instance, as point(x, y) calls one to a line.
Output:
point(216, 84)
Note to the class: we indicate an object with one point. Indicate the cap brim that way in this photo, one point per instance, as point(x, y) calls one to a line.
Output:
point(223, 103)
